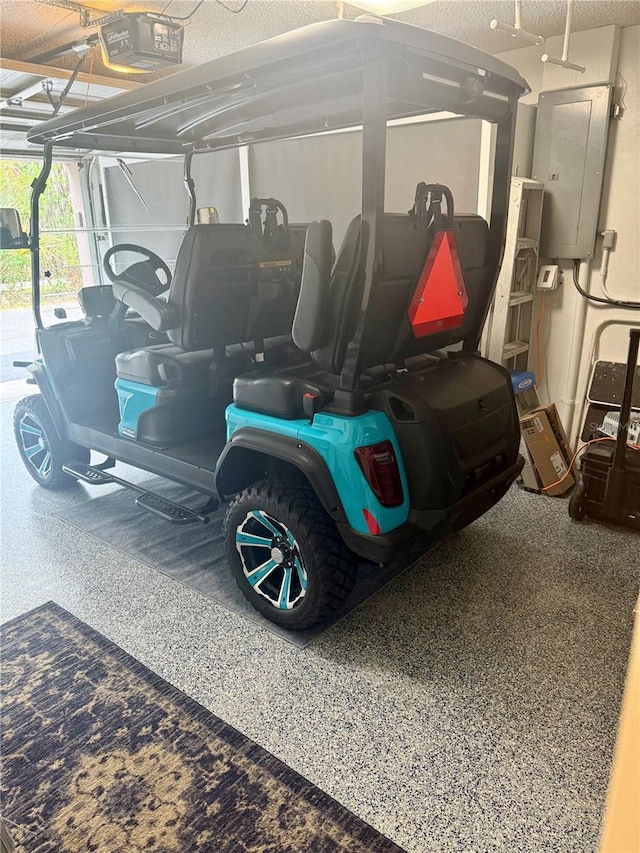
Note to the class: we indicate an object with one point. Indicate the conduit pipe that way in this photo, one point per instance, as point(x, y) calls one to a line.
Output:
point(568, 400)
point(604, 269)
point(564, 62)
point(607, 247)
point(517, 31)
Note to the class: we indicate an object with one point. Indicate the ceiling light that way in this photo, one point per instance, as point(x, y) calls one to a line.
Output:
point(388, 7)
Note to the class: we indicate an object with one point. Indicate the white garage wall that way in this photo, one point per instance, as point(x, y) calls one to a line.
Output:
point(160, 182)
point(315, 177)
point(620, 208)
point(160, 185)
point(437, 152)
point(217, 180)
point(320, 177)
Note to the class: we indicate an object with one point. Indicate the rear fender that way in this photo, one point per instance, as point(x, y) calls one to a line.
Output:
point(249, 456)
point(323, 449)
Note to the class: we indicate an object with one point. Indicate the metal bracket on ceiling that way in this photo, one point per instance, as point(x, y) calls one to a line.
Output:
point(45, 86)
point(85, 12)
point(564, 62)
point(18, 98)
point(57, 103)
point(517, 31)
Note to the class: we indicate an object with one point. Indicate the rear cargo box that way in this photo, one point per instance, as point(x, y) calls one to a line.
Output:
point(456, 424)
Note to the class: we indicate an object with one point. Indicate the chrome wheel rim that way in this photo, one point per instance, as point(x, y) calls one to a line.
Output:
point(271, 560)
point(35, 447)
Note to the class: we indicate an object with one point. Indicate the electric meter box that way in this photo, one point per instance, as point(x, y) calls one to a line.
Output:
point(141, 41)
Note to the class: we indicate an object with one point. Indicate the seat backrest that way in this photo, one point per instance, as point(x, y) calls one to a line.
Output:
point(279, 270)
point(388, 336)
point(309, 321)
point(214, 279)
point(340, 310)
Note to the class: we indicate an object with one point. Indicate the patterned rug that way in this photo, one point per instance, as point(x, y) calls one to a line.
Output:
point(100, 754)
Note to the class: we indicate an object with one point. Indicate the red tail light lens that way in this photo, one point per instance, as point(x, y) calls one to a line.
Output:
point(380, 468)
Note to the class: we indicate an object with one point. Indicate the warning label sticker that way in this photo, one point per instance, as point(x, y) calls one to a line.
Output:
point(559, 464)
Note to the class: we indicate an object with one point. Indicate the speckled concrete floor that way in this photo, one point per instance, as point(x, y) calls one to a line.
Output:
point(471, 705)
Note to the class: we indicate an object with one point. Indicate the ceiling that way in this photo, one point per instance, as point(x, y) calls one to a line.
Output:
point(30, 29)
point(24, 101)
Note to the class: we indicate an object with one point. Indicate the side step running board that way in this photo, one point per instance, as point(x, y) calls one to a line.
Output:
point(168, 509)
point(150, 501)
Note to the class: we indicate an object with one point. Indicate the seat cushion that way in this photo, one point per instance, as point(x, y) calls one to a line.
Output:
point(165, 365)
point(279, 393)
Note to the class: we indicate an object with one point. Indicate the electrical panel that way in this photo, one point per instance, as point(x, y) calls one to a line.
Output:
point(569, 159)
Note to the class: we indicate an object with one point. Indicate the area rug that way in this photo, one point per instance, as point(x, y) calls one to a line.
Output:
point(100, 754)
point(195, 555)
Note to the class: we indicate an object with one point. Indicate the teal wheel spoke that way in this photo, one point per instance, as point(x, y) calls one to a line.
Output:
point(285, 590)
point(302, 575)
point(280, 577)
point(265, 522)
point(33, 450)
point(45, 464)
point(252, 539)
point(34, 445)
point(30, 430)
point(258, 574)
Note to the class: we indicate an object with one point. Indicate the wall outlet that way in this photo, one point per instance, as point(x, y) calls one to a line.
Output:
point(549, 277)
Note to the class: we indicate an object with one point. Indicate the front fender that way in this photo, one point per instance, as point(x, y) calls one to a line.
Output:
point(39, 373)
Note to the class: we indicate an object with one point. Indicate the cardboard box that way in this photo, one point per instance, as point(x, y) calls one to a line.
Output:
point(548, 448)
point(558, 431)
point(528, 476)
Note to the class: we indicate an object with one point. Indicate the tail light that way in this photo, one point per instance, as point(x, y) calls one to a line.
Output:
point(380, 468)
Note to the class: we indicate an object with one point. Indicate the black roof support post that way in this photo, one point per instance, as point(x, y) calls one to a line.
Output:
point(38, 187)
point(499, 211)
point(191, 189)
point(374, 150)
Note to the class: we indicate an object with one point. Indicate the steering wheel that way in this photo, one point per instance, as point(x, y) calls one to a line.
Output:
point(142, 274)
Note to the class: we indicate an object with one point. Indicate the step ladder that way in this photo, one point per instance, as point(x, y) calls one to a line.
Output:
point(507, 337)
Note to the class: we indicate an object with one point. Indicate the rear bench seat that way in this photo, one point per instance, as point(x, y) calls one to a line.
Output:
point(388, 338)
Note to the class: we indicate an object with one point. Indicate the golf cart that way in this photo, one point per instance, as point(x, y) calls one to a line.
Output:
point(339, 406)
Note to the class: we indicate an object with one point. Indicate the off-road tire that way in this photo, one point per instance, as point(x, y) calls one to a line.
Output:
point(330, 566)
point(33, 412)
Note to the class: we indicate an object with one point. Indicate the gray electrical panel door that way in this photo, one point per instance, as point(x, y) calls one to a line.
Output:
point(569, 158)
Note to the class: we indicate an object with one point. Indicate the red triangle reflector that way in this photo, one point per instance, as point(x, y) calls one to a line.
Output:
point(440, 296)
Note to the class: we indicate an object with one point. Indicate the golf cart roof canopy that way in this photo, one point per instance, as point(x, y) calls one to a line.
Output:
point(303, 82)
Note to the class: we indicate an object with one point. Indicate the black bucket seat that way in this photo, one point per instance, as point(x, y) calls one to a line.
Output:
point(218, 298)
point(329, 304)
